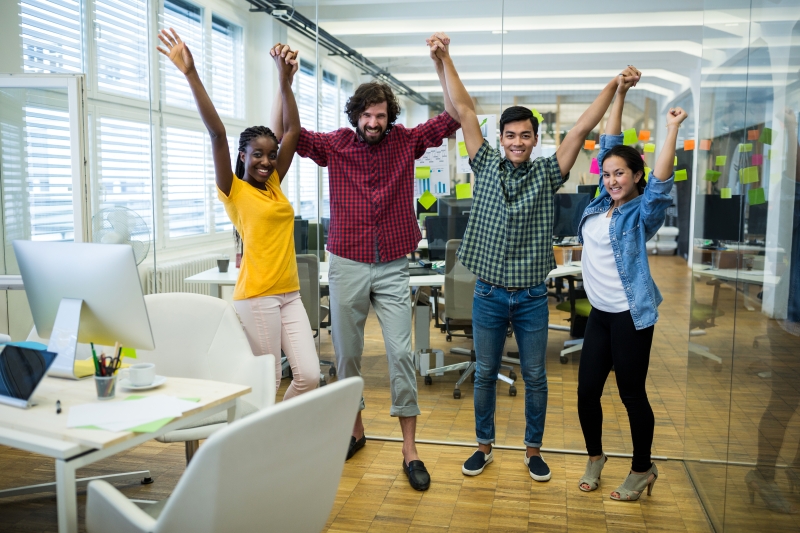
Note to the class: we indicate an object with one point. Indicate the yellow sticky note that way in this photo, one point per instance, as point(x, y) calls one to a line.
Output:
point(680, 175)
point(721, 160)
point(422, 173)
point(129, 352)
point(597, 192)
point(748, 174)
point(725, 193)
point(427, 199)
point(462, 149)
point(463, 191)
point(745, 147)
point(650, 148)
point(647, 171)
point(675, 162)
point(630, 137)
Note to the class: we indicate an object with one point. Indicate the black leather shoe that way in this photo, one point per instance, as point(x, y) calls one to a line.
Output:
point(418, 476)
point(356, 445)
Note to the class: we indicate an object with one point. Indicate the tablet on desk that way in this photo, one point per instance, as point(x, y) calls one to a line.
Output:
point(21, 372)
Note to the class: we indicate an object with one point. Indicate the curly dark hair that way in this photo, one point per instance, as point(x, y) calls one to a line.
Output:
point(253, 132)
point(369, 94)
point(633, 160)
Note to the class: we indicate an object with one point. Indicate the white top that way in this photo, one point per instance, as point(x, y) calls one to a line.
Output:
point(600, 275)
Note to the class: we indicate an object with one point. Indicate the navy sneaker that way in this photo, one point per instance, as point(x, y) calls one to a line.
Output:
point(476, 463)
point(538, 468)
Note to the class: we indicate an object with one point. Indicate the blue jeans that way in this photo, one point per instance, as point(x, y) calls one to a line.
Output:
point(493, 309)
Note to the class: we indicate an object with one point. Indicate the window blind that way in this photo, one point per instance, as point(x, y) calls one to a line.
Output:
point(121, 39)
point(226, 67)
point(328, 121)
point(184, 156)
point(11, 159)
point(51, 36)
point(345, 92)
point(306, 95)
point(186, 19)
point(221, 220)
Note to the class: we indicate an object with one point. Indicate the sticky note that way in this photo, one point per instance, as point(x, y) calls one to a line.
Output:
point(712, 175)
point(721, 160)
point(597, 192)
point(427, 199)
point(642, 156)
point(422, 173)
point(756, 196)
point(463, 191)
point(594, 168)
point(680, 175)
point(688, 145)
point(644, 135)
point(675, 162)
point(752, 135)
point(745, 147)
point(766, 136)
point(588, 145)
point(769, 154)
point(650, 148)
point(647, 171)
point(129, 352)
point(705, 144)
point(748, 174)
point(725, 193)
point(462, 149)
point(758, 159)
point(629, 137)
point(538, 115)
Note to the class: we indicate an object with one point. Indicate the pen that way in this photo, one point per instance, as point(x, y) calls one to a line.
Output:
point(58, 407)
point(94, 358)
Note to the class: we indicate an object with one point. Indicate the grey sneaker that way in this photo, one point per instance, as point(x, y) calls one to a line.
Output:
point(538, 468)
point(476, 463)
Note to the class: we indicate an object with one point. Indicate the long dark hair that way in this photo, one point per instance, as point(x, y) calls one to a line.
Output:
point(253, 132)
point(369, 94)
point(633, 160)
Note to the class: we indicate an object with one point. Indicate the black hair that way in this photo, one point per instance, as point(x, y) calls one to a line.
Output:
point(367, 95)
point(633, 160)
point(245, 138)
point(517, 113)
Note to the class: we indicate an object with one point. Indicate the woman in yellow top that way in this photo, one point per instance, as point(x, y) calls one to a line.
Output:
point(267, 294)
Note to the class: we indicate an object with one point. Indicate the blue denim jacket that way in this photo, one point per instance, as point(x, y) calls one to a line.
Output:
point(632, 225)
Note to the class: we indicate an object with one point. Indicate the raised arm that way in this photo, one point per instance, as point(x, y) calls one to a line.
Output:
point(664, 165)
point(276, 118)
point(571, 145)
point(614, 124)
point(437, 63)
point(177, 52)
point(290, 132)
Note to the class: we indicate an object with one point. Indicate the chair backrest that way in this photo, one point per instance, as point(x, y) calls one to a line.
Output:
point(308, 272)
point(276, 470)
point(459, 284)
point(201, 337)
point(300, 236)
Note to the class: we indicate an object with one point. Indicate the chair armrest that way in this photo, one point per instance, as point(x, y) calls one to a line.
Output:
point(107, 509)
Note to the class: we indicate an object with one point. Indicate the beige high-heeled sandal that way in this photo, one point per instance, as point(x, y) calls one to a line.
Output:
point(631, 490)
point(591, 476)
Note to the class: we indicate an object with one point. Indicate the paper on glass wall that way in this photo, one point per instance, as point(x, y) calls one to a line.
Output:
point(488, 125)
point(432, 171)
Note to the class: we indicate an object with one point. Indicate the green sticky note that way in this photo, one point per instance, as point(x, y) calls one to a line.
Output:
point(745, 147)
point(463, 191)
point(721, 160)
point(756, 196)
point(462, 149)
point(675, 162)
point(538, 115)
point(650, 148)
point(129, 352)
point(769, 153)
point(597, 192)
point(725, 193)
point(748, 174)
point(680, 175)
point(630, 137)
point(422, 173)
point(427, 199)
point(647, 171)
point(766, 136)
point(712, 175)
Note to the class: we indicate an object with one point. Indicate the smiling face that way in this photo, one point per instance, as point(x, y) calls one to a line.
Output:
point(259, 160)
point(372, 123)
point(518, 141)
point(619, 180)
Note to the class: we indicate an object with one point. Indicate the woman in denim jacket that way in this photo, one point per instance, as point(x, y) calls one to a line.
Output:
point(614, 229)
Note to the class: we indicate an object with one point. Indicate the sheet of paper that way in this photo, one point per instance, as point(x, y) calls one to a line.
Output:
point(588, 145)
point(758, 159)
point(680, 175)
point(712, 175)
point(432, 171)
point(756, 196)
point(705, 144)
point(650, 148)
point(629, 137)
point(721, 160)
point(725, 193)
point(488, 125)
point(753, 135)
point(748, 174)
point(644, 135)
point(427, 199)
point(594, 167)
point(766, 136)
point(120, 415)
point(688, 145)
point(745, 147)
point(463, 191)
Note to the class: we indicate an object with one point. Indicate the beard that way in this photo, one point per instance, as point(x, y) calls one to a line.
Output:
point(372, 141)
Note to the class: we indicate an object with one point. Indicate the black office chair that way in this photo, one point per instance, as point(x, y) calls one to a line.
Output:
point(300, 236)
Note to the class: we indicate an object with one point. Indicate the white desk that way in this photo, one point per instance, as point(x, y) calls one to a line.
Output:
point(40, 430)
point(11, 282)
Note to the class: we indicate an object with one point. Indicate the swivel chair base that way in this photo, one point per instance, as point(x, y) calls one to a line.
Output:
point(467, 369)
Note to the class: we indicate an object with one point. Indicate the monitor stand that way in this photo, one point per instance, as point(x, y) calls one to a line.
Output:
point(64, 338)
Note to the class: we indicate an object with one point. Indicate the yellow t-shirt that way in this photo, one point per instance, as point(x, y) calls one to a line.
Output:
point(265, 220)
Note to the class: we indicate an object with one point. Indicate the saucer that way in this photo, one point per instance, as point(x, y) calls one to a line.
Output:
point(126, 384)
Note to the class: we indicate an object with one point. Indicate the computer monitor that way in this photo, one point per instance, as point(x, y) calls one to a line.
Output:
point(757, 221)
point(567, 212)
point(722, 218)
point(591, 190)
point(83, 292)
point(449, 206)
point(441, 229)
point(300, 236)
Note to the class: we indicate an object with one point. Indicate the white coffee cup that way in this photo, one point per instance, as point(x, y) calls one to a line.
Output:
point(142, 374)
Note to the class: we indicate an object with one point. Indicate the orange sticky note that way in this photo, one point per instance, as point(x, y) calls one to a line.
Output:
point(588, 145)
point(644, 135)
point(688, 144)
point(705, 144)
point(753, 135)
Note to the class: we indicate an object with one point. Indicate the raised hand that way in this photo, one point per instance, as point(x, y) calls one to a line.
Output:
point(439, 44)
point(628, 78)
point(285, 60)
point(176, 51)
point(675, 116)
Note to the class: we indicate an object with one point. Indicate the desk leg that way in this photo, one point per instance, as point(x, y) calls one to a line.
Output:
point(215, 289)
point(66, 497)
point(232, 411)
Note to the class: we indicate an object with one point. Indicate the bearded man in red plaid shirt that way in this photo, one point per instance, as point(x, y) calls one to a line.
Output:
point(373, 228)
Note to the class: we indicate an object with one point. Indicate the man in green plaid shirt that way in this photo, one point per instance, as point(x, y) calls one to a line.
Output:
point(508, 246)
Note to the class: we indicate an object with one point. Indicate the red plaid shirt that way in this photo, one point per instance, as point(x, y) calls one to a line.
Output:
point(372, 187)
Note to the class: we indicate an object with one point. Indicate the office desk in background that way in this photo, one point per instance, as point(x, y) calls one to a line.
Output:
point(40, 430)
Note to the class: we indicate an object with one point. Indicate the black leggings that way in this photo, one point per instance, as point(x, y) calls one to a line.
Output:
point(612, 339)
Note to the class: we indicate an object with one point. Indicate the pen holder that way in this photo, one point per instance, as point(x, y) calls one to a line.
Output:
point(106, 386)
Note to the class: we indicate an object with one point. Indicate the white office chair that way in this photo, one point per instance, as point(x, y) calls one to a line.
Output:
point(277, 470)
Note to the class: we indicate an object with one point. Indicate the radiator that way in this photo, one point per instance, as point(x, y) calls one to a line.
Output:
point(168, 276)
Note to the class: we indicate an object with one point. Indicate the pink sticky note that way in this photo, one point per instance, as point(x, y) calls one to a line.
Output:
point(758, 159)
point(642, 157)
point(594, 168)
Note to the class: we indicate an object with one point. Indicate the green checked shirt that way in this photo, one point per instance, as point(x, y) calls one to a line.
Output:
point(508, 241)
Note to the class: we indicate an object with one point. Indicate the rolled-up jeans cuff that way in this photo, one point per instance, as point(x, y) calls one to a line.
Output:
point(533, 444)
point(405, 411)
point(485, 441)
